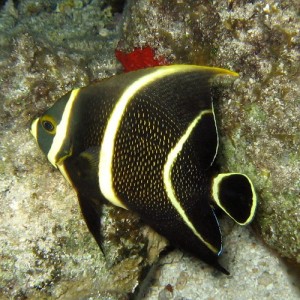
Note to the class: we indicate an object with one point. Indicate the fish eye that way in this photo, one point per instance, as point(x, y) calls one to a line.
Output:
point(48, 124)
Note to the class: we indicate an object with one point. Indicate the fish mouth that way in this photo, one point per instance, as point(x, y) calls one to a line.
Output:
point(34, 127)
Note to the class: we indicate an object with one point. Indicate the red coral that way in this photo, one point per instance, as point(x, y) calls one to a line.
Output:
point(139, 58)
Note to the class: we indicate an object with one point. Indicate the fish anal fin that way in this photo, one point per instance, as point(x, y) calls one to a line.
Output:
point(235, 195)
point(202, 216)
point(206, 224)
point(194, 229)
point(220, 268)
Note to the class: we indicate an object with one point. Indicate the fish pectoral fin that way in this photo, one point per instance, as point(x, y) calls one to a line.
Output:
point(92, 217)
point(235, 195)
point(88, 163)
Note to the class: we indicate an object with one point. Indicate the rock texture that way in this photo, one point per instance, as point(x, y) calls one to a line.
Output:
point(256, 273)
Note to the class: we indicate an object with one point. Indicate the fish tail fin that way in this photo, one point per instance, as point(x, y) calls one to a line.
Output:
point(235, 195)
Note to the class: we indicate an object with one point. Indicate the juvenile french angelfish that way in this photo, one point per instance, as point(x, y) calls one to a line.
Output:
point(146, 141)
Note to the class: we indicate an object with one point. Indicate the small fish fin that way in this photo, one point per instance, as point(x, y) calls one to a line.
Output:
point(220, 268)
point(88, 163)
point(203, 218)
point(92, 218)
point(200, 213)
point(83, 171)
point(235, 195)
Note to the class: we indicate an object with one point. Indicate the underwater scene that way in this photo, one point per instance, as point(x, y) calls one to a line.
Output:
point(149, 149)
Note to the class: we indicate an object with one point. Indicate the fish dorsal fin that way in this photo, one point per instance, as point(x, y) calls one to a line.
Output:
point(235, 195)
point(184, 89)
point(184, 95)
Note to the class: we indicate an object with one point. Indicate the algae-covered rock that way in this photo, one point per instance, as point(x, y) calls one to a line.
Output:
point(259, 116)
point(262, 114)
point(173, 28)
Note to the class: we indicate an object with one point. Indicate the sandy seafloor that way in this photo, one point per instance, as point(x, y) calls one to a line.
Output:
point(256, 273)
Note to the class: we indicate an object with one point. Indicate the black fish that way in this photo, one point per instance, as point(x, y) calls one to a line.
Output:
point(146, 141)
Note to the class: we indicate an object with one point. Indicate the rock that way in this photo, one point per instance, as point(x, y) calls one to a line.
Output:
point(256, 273)
point(261, 123)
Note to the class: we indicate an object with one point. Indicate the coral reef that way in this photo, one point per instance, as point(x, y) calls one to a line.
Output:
point(50, 47)
point(139, 58)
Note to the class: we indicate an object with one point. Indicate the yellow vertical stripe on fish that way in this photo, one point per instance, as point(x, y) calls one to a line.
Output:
point(167, 175)
point(62, 129)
